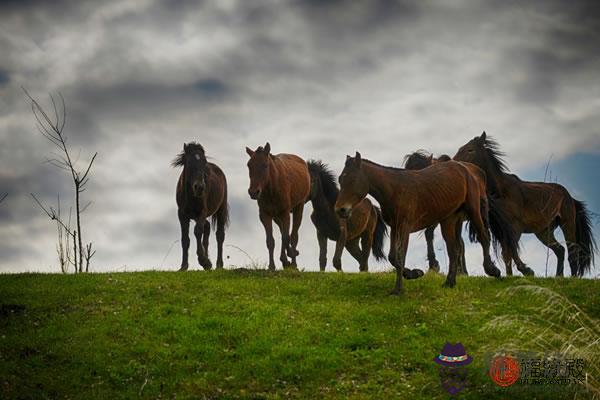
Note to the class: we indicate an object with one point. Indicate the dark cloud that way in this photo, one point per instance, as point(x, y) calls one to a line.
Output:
point(4, 77)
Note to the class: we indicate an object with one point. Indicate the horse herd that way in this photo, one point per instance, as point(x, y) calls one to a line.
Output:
point(474, 186)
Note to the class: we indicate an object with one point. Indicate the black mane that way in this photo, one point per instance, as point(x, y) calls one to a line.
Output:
point(179, 160)
point(327, 177)
point(418, 160)
point(492, 148)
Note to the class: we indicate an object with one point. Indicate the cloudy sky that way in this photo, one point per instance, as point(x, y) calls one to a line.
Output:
point(317, 78)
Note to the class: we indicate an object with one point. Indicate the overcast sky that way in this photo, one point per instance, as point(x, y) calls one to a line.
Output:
point(317, 78)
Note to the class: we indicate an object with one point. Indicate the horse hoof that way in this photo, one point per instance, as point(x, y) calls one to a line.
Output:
point(337, 264)
point(183, 268)
point(205, 263)
point(492, 271)
point(396, 292)
point(526, 271)
point(413, 273)
point(434, 266)
point(449, 284)
point(272, 267)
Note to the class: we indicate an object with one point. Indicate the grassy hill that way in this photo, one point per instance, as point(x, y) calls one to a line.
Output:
point(254, 334)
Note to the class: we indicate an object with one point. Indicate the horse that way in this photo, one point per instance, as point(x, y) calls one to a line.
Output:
point(366, 224)
point(280, 183)
point(411, 201)
point(418, 160)
point(535, 207)
point(201, 193)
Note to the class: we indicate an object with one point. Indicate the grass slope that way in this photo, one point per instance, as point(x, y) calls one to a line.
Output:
point(252, 334)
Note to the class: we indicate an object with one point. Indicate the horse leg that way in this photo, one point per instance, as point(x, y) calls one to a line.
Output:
point(521, 266)
point(507, 257)
point(296, 221)
point(205, 236)
point(461, 267)
point(339, 245)
point(434, 265)
point(474, 212)
point(354, 250)
point(547, 237)
point(267, 222)
point(184, 222)
point(283, 221)
point(568, 228)
point(449, 228)
point(220, 234)
point(398, 247)
point(202, 257)
point(398, 238)
point(366, 243)
point(322, 250)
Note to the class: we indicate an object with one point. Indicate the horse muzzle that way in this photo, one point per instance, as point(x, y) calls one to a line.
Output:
point(343, 212)
point(254, 193)
point(198, 189)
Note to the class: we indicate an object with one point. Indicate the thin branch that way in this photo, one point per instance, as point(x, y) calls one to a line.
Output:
point(87, 171)
point(3, 197)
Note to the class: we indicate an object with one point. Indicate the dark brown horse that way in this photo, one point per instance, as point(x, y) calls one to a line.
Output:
point(535, 207)
point(281, 185)
point(411, 201)
point(201, 193)
point(366, 224)
point(418, 160)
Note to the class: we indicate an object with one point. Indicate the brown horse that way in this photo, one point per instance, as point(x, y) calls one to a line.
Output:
point(365, 225)
point(281, 184)
point(410, 201)
point(201, 193)
point(418, 160)
point(535, 207)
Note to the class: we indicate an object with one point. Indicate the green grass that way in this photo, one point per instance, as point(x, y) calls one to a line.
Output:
point(253, 334)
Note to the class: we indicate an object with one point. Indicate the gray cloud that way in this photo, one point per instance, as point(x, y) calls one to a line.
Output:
point(320, 79)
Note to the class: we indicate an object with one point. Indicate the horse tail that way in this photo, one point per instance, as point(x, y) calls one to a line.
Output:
point(222, 214)
point(502, 232)
point(586, 244)
point(379, 236)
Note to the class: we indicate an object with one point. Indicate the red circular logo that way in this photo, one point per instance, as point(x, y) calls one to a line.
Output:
point(504, 370)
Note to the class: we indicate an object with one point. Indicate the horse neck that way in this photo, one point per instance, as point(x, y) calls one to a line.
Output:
point(494, 177)
point(381, 185)
point(321, 204)
point(272, 185)
point(188, 195)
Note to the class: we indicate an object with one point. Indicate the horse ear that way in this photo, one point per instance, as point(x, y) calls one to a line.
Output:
point(357, 158)
point(185, 147)
point(249, 151)
point(267, 148)
point(483, 136)
point(430, 158)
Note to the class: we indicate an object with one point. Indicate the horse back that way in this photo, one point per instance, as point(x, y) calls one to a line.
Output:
point(293, 177)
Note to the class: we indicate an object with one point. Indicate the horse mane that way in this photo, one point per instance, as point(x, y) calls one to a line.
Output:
point(417, 160)
point(383, 166)
point(496, 156)
point(328, 184)
point(179, 160)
